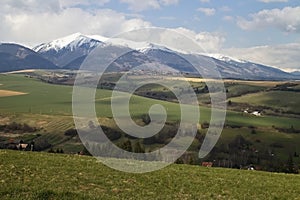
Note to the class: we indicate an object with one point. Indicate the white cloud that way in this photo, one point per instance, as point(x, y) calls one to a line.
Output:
point(286, 19)
point(207, 11)
point(70, 3)
point(204, 1)
point(169, 2)
point(271, 1)
point(228, 18)
point(24, 22)
point(285, 57)
point(8, 6)
point(139, 5)
point(210, 42)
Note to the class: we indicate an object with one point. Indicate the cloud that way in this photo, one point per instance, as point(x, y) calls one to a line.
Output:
point(141, 5)
point(285, 57)
point(23, 22)
point(272, 1)
point(17, 6)
point(207, 11)
point(228, 18)
point(210, 42)
point(138, 5)
point(286, 19)
point(70, 3)
point(225, 9)
point(204, 1)
point(169, 2)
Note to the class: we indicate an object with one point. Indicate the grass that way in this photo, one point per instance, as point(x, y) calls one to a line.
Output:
point(28, 175)
point(56, 100)
point(284, 100)
point(48, 107)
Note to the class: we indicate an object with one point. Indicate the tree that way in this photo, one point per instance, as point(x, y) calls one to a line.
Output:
point(146, 119)
point(85, 149)
point(127, 146)
point(71, 132)
point(138, 148)
point(290, 165)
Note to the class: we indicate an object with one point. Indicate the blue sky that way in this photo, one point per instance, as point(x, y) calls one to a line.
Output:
point(264, 31)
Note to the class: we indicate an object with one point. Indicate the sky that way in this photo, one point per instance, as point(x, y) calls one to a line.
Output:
point(262, 31)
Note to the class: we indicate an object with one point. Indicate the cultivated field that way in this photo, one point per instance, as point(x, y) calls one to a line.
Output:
point(8, 93)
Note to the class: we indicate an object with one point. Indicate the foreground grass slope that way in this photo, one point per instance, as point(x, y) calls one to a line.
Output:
point(28, 175)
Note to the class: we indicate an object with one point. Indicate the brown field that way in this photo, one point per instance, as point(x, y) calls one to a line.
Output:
point(8, 93)
point(255, 83)
point(20, 71)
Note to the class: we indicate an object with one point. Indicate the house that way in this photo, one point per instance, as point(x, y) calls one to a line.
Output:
point(256, 113)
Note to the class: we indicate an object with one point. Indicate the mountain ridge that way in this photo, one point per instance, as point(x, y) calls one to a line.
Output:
point(16, 57)
point(69, 53)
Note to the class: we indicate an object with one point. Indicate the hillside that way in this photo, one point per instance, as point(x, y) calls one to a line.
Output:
point(15, 57)
point(52, 176)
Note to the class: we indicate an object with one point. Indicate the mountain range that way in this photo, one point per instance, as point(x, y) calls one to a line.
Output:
point(16, 57)
point(70, 52)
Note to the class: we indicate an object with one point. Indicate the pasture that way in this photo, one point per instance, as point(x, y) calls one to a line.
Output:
point(56, 100)
point(49, 108)
point(287, 101)
point(29, 175)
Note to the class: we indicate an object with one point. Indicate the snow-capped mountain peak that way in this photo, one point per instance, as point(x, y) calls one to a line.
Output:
point(225, 58)
point(70, 42)
point(139, 46)
point(151, 46)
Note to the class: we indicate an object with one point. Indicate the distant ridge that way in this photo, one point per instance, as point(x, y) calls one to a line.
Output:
point(69, 52)
point(15, 57)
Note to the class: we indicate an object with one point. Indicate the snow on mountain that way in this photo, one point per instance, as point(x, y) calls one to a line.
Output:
point(71, 42)
point(66, 50)
point(120, 42)
point(225, 58)
point(151, 46)
point(71, 51)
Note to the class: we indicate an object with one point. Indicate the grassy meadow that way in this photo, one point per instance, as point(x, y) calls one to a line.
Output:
point(31, 175)
point(49, 99)
point(48, 107)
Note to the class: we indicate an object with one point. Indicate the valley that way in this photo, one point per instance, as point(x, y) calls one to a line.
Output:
point(265, 141)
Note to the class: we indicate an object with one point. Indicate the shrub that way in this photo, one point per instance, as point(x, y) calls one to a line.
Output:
point(71, 132)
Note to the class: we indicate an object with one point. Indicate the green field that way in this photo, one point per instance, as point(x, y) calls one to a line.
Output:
point(285, 100)
point(48, 107)
point(28, 175)
point(49, 99)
